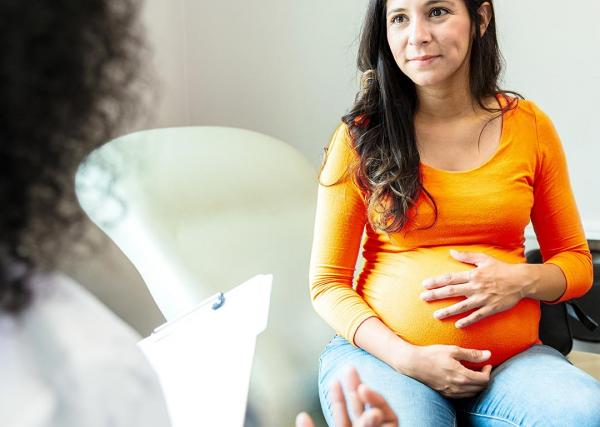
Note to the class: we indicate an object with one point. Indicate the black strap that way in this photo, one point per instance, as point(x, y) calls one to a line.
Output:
point(577, 312)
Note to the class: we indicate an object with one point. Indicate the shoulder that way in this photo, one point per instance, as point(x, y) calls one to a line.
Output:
point(72, 312)
point(532, 111)
point(71, 341)
point(548, 145)
point(341, 137)
point(67, 321)
point(531, 121)
point(340, 156)
point(547, 136)
point(27, 399)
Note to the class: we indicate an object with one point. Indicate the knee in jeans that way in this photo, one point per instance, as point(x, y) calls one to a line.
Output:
point(584, 408)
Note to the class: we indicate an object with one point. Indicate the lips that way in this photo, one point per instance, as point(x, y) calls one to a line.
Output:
point(423, 58)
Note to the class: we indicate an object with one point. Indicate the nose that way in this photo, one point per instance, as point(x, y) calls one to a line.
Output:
point(419, 33)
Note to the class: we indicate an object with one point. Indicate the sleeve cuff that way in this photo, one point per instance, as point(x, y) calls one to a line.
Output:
point(354, 325)
point(572, 290)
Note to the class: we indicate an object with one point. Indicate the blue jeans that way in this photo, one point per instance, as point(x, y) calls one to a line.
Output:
point(538, 387)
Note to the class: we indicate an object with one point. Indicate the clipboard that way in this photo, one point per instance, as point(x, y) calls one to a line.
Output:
point(203, 358)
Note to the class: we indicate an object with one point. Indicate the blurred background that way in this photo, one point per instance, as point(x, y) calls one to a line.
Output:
point(287, 70)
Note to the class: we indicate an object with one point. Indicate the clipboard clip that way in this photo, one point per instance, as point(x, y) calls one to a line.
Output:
point(219, 302)
point(216, 302)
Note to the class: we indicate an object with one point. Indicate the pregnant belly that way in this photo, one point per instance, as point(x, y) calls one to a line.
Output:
point(392, 285)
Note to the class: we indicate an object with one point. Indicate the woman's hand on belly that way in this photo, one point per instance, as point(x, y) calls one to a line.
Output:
point(439, 367)
point(494, 286)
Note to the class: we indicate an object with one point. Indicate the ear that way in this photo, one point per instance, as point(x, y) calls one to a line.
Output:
point(485, 12)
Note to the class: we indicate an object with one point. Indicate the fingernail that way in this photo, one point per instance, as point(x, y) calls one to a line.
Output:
point(438, 314)
point(485, 354)
point(427, 282)
point(301, 418)
point(425, 295)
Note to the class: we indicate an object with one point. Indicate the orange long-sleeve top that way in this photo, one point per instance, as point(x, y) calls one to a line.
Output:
point(485, 209)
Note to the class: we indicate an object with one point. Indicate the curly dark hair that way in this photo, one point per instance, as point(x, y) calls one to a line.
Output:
point(381, 121)
point(68, 82)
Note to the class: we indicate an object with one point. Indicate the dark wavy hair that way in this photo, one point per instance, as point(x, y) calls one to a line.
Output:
point(67, 80)
point(381, 121)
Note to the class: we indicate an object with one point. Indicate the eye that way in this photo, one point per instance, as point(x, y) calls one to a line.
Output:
point(438, 11)
point(399, 19)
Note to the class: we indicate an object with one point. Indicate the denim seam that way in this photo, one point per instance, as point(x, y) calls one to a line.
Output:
point(330, 412)
point(492, 417)
point(325, 392)
point(326, 349)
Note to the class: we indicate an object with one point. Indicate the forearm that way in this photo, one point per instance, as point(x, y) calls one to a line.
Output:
point(544, 282)
point(376, 338)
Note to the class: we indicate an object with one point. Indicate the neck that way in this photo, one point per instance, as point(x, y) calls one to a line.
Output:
point(445, 102)
point(448, 100)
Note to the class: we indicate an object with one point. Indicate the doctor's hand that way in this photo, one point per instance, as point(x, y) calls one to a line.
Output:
point(377, 414)
point(494, 286)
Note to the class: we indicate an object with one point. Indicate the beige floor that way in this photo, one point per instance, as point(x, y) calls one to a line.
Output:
point(589, 362)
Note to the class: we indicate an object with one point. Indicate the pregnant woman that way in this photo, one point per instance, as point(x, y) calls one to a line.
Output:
point(435, 172)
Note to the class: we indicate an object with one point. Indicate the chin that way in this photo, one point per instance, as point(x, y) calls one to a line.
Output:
point(429, 79)
point(424, 81)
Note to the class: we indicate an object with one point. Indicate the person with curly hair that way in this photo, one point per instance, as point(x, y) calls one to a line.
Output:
point(435, 172)
point(68, 78)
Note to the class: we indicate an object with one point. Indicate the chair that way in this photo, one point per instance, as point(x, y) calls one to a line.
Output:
point(201, 209)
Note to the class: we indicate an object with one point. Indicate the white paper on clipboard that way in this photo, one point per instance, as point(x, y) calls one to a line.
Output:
point(204, 358)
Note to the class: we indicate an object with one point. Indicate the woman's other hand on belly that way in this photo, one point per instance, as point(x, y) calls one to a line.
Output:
point(492, 287)
point(440, 367)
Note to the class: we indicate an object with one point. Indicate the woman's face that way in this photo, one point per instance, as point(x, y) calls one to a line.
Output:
point(430, 40)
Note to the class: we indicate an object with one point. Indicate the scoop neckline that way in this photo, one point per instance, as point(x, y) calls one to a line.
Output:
point(502, 99)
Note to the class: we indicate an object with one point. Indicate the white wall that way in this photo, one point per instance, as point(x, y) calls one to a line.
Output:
point(281, 68)
point(164, 22)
